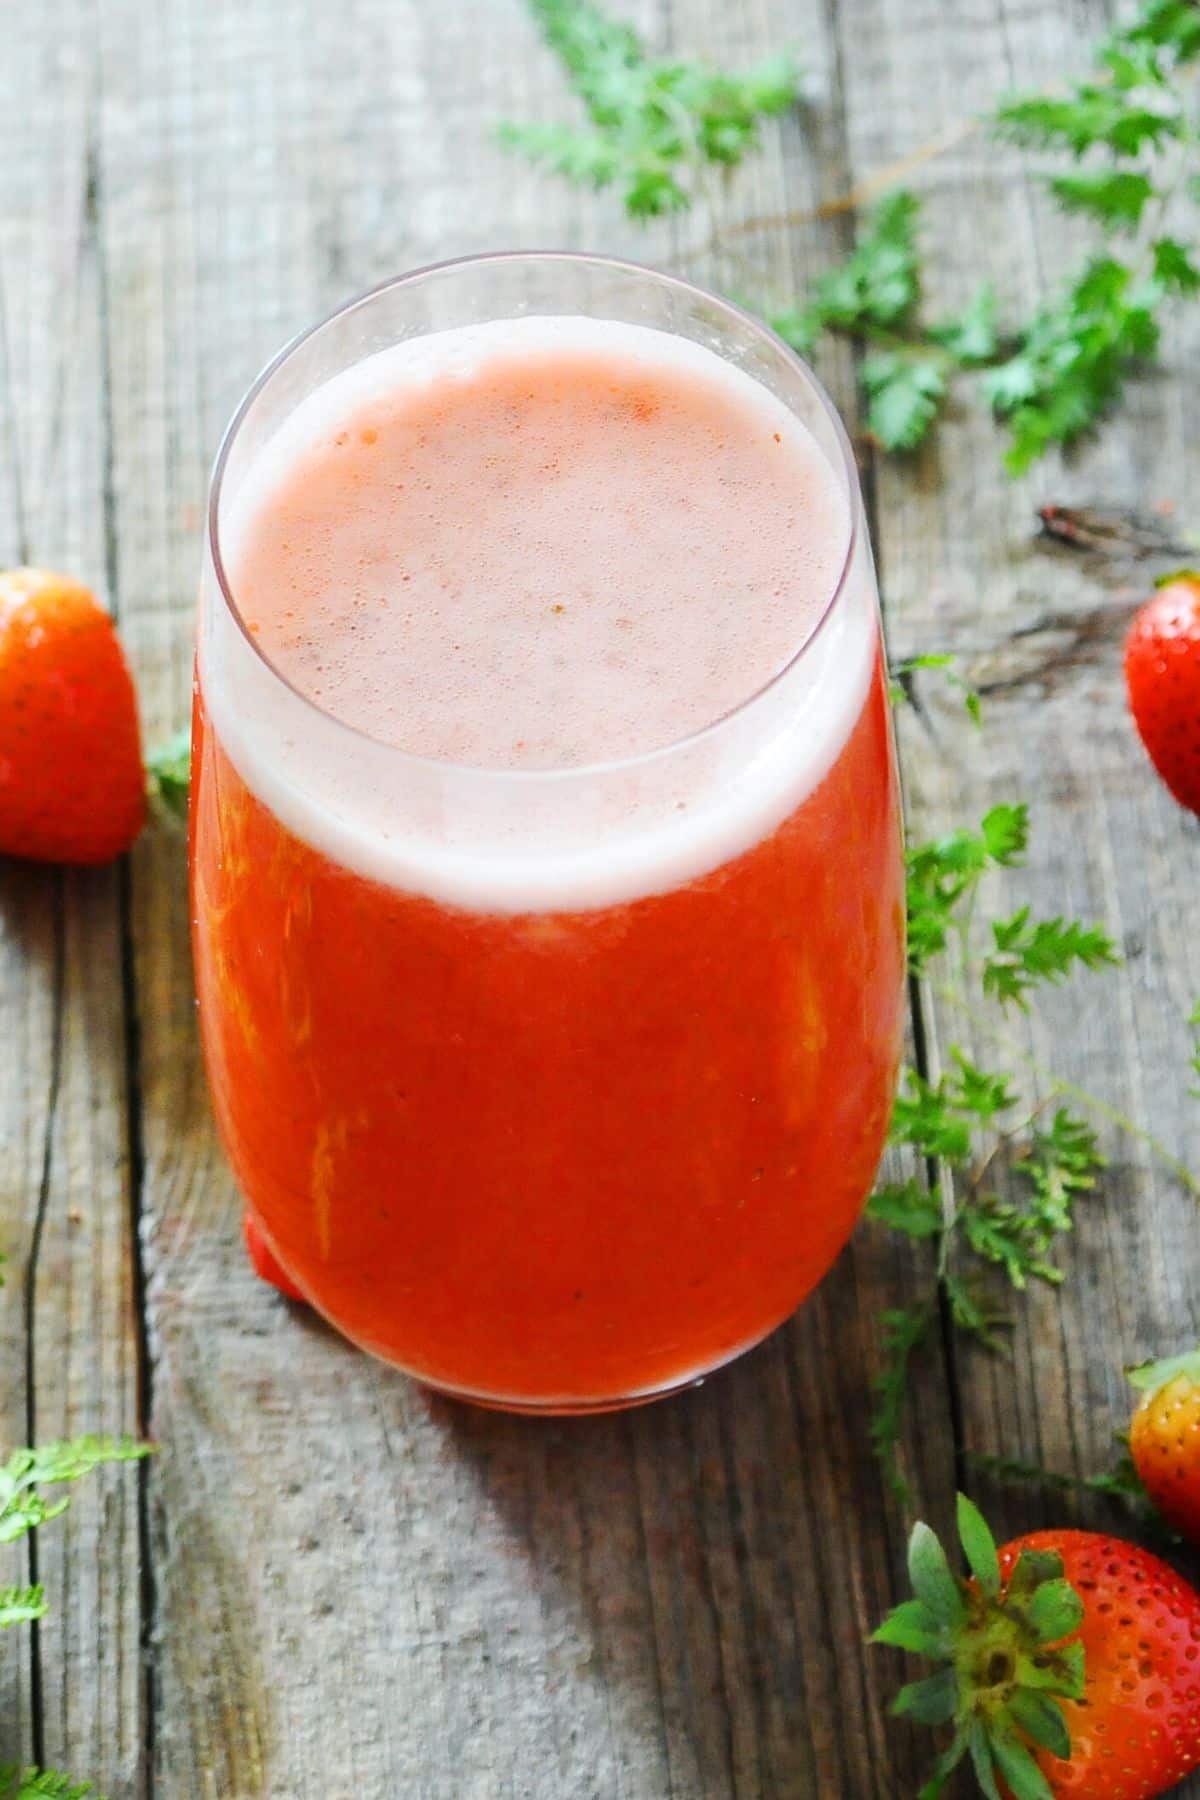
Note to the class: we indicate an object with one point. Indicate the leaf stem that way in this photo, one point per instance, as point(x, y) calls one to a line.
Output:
point(1002, 1140)
point(859, 195)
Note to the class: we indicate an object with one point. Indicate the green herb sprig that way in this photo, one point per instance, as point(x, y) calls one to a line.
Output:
point(169, 773)
point(1132, 142)
point(875, 297)
point(1121, 1484)
point(972, 1124)
point(1026, 952)
point(900, 682)
point(23, 1508)
point(1136, 152)
point(961, 1125)
point(42, 1784)
point(656, 124)
point(22, 1505)
point(1054, 377)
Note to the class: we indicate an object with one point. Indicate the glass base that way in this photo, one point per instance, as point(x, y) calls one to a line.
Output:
point(563, 1409)
point(553, 1407)
point(578, 1409)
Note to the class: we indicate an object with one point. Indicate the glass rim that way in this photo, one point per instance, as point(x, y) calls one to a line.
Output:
point(557, 771)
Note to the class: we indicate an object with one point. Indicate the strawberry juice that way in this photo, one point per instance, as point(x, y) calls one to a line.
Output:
point(546, 866)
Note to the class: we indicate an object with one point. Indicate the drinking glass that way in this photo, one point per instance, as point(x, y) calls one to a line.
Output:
point(556, 1088)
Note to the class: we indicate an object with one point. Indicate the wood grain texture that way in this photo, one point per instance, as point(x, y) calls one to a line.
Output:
point(356, 1590)
point(72, 1690)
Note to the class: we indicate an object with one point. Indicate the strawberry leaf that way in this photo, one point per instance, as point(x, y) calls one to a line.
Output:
point(1055, 1611)
point(1019, 1769)
point(944, 1768)
point(932, 1581)
point(932, 1701)
point(1041, 1718)
point(911, 1626)
point(981, 1759)
point(1150, 1376)
point(979, 1546)
point(1062, 1674)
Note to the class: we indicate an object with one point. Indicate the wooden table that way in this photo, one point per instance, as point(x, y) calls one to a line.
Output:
point(328, 1584)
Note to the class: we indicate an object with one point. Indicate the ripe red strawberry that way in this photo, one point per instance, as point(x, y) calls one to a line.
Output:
point(1070, 1664)
point(72, 787)
point(1164, 1439)
point(262, 1260)
point(1162, 677)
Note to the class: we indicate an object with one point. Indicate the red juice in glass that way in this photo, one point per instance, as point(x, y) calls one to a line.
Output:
point(547, 891)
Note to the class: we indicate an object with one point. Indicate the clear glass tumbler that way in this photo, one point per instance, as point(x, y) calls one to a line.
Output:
point(545, 1144)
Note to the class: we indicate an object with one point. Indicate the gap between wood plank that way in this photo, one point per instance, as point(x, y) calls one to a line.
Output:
point(144, 1391)
point(945, 1314)
point(30, 1288)
point(946, 1335)
point(12, 435)
point(29, 1284)
point(148, 1592)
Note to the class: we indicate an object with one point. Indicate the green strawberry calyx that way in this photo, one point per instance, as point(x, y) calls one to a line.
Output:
point(1007, 1653)
point(1169, 580)
point(1149, 1377)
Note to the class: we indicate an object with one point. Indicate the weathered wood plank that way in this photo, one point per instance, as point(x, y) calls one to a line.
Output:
point(963, 572)
point(356, 1585)
point(68, 1316)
